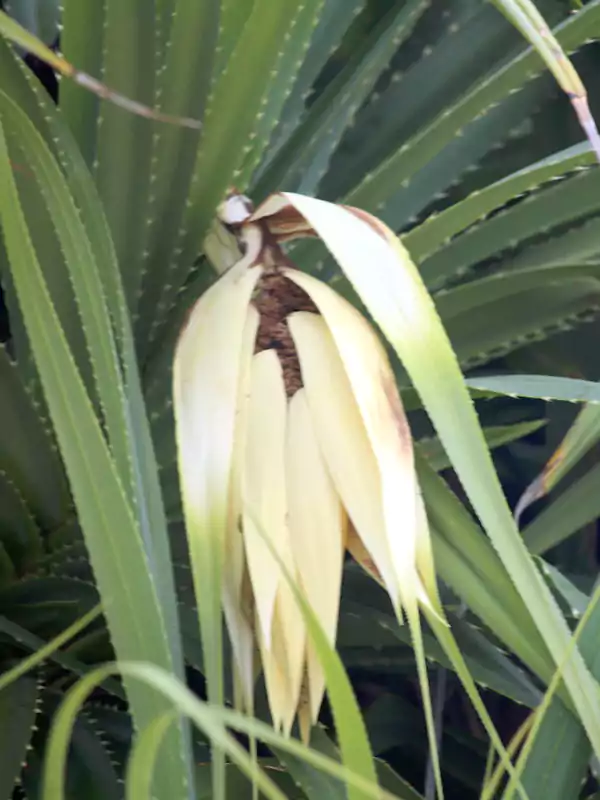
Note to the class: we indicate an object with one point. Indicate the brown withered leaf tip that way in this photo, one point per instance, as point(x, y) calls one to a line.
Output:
point(275, 298)
point(288, 224)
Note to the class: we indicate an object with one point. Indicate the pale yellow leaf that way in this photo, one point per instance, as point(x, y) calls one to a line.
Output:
point(263, 484)
point(264, 502)
point(374, 389)
point(317, 530)
point(206, 373)
point(237, 599)
point(343, 439)
point(283, 700)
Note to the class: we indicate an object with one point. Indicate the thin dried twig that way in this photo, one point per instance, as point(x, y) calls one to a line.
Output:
point(18, 35)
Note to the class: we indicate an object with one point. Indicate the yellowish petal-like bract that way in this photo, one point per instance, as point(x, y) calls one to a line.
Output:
point(289, 472)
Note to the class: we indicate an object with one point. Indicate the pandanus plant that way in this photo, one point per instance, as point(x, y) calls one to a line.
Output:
point(293, 444)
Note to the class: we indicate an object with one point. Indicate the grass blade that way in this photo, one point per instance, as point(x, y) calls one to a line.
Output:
point(211, 720)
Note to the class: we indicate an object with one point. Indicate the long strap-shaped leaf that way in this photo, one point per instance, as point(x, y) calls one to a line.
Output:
point(113, 537)
point(88, 288)
point(104, 291)
point(182, 88)
point(97, 290)
point(123, 163)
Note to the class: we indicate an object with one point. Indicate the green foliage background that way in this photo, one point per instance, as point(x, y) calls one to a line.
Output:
point(434, 117)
